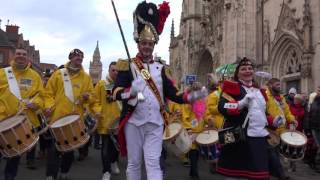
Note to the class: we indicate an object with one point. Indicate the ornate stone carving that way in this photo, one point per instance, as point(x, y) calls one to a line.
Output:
point(306, 65)
point(237, 8)
point(288, 23)
point(266, 40)
point(292, 62)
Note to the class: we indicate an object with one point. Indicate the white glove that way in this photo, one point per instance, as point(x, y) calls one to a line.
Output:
point(137, 86)
point(277, 121)
point(245, 101)
point(199, 94)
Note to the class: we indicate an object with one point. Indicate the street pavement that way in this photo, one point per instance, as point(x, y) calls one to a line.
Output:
point(90, 169)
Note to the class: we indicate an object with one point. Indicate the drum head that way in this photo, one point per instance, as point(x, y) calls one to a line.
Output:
point(207, 137)
point(11, 122)
point(293, 138)
point(174, 129)
point(65, 120)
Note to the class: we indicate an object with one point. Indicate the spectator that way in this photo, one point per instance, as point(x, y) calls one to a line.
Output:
point(313, 122)
point(290, 96)
point(298, 110)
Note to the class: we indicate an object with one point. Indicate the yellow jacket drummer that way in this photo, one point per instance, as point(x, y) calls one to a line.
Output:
point(110, 109)
point(56, 101)
point(30, 86)
point(212, 112)
point(277, 106)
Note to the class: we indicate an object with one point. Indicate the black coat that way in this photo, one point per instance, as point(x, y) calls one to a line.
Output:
point(313, 116)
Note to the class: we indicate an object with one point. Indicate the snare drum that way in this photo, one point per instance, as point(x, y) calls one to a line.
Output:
point(69, 132)
point(90, 122)
point(16, 136)
point(207, 142)
point(178, 141)
point(292, 145)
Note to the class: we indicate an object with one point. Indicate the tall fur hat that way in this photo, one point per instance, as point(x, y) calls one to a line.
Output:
point(149, 20)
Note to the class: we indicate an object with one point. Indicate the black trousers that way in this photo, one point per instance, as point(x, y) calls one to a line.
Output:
point(275, 166)
point(57, 160)
point(96, 139)
point(31, 155)
point(11, 168)
point(44, 142)
point(84, 150)
point(194, 157)
point(109, 153)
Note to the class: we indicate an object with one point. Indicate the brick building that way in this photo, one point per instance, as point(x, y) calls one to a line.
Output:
point(10, 40)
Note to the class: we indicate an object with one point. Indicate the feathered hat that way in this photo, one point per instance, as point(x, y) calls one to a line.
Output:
point(149, 21)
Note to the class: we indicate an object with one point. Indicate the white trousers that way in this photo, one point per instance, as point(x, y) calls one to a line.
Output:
point(146, 140)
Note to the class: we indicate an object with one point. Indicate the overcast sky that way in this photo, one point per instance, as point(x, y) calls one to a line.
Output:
point(57, 26)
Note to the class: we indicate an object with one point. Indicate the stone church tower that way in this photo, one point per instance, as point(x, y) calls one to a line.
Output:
point(95, 69)
point(213, 32)
point(281, 36)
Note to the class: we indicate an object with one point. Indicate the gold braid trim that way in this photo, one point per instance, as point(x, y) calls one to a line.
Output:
point(227, 97)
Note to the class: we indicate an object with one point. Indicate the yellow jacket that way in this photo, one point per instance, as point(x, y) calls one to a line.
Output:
point(212, 112)
point(189, 121)
point(188, 118)
point(30, 85)
point(55, 96)
point(273, 110)
point(110, 110)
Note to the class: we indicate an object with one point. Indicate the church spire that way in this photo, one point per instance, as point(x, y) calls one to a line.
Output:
point(96, 54)
point(172, 30)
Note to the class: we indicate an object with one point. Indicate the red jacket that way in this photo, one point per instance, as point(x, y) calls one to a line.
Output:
point(298, 111)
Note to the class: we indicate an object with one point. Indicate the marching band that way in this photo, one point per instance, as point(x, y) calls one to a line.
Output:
point(241, 129)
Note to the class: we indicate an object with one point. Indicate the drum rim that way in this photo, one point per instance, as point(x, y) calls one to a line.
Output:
point(74, 147)
point(293, 159)
point(43, 130)
point(209, 143)
point(166, 139)
point(285, 131)
point(56, 120)
point(16, 122)
point(25, 150)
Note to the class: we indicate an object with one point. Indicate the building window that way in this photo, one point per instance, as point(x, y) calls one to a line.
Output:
point(1, 58)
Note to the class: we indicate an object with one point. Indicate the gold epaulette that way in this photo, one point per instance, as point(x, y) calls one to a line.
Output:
point(122, 65)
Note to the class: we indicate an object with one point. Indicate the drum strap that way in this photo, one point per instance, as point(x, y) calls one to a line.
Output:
point(68, 91)
point(280, 108)
point(13, 83)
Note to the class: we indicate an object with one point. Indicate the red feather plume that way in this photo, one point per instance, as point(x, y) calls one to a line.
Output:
point(164, 11)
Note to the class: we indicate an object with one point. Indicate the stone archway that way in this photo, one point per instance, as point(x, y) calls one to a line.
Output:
point(205, 66)
point(286, 59)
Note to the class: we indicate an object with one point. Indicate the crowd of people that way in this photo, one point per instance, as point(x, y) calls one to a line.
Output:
point(131, 111)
